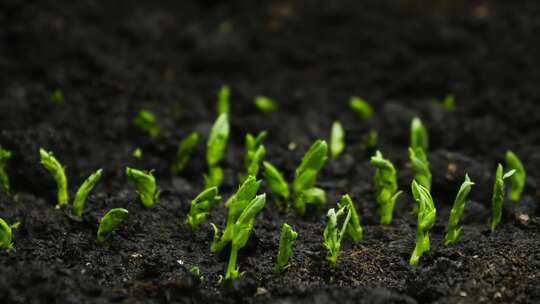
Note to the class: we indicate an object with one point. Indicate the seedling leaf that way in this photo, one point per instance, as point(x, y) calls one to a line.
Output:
point(286, 240)
point(265, 104)
point(425, 221)
point(147, 122)
point(223, 96)
point(110, 221)
point(84, 190)
point(420, 165)
point(457, 210)
point(333, 235)
point(354, 228)
point(337, 139)
point(497, 199)
point(386, 187)
point(201, 205)
point(419, 135)
point(275, 181)
point(361, 107)
point(517, 180)
point(145, 183)
point(57, 171)
point(306, 174)
point(5, 155)
point(184, 152)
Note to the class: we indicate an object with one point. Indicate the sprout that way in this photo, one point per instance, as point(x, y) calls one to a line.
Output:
point(235, 205)
point(147, 122)
point(370, 141)
point(332, 237)
point(361, 107)
point(498, 195)
point(337, 139)
point(201, 205)
point(265, 104)
point(386, 187)
point(286, 240)
point(5, 155)
point(426, 219)
point(184, 152)
point(449, 102)
point(215, 148)
point(84, 190)
point(57, 96)
point(110, 221)
point(354, 229)
point(55, 168)
point(6, 234)
point(306, 176)
point(196, 271)
point(241, 232)
point(277, 183)
point(223, 100)
point(145, 184)
point(457, 210)
point(255, 152)
point(420, 165)
point(419, 135)
point(517, 181)
point(137, 153)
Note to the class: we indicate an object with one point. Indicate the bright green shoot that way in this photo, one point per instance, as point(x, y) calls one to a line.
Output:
point(84, 191)
point(276, 182)
point(137, 153)
point(333, 235)
point(306, 175)
point(498, 195)
point(57, 171)
point(255, 152)
point(6, 234)
point(457, 210)
point(337, 139)
point(110, 221)
point(354, 228)
point(286, 240)
point(183, 153)
point(145, 182)
point(419, 135)
point(361, 107)
point(147, 122)
point(241, 231)
point(265, 104)
point(5, 155)
point(223, 97)
point(386, 187)
point(517, 181)
point(201, 205)
point(215, 149)
point(420, 165)
point(449, 102)
point(425, 221)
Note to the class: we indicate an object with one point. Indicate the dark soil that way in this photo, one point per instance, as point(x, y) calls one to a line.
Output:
point(114, 58)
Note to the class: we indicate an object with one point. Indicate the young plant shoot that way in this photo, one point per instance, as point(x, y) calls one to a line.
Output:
point(457, 210)
point(84, 190)
point(333, 235)
point(354, 228)
point(361, 107)
point(201, 205)
point(420, 165)
point(223, 97)
point(386, 187)
point(184, 152)
point(147, 122)
point(449, 103)
point(110, 221)
point(145, 182)
point(57, 171)
point(286, 240)
point(517, 181)
point(241, 231)
point(337, 139)
point(419, 135)
point(277, 183)
point(498, 195)
point(255, 152)
point(215, 149)
point(5, 155)
point(6, 234)
point(425, 221)
point(304, 188)
point(265, 104)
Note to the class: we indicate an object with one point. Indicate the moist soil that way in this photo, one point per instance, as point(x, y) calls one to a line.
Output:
point(111, 59)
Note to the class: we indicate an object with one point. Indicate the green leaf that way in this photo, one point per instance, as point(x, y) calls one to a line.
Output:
point(361, 107)
point(517, 180)
point(217, 141)
point(420, 165)
point(6, 235)
point(286, 240)
point(84, 190)
point(201, 205)
point(265, 104)
point(57, 171)
point(110, 221)
point(457, 210)
point(354, 228)
point(497, 199)
point(306, 173)
point(183, 153)
point(449, 103)
point(147, 122)
point(419, 135)
point(137, 153)
point(214, 177)
point(255, 152)
point(5, 155)
point(386, 187)
point(337, 139)
point(223, 96)
point(145, 183)
point(425, 221)
point(275, 181)
point(332, 235)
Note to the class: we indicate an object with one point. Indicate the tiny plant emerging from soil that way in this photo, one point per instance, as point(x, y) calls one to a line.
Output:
point(420, 165)
point(419, 135)
point(241, 231)
point(110, 221)
point(137, 153)
point(255, 152)
point(454, 230)
point(215, 149)
point(57, 171)
point(265, 104)
point(5, 155)
point(6, 234)
point(223, 96)
point(361, 107)
point(425, 221)
point(333, 235)
point(145, 182)
point(449, 102)
point(354, 228)
point(84, 190)
point(147, 122)
point(337, 139)
point(517, 181)
point(277, 183)
point(286, 240)
point(183, 153)
point(386, 187)
point(201, 205)
point(497, 199)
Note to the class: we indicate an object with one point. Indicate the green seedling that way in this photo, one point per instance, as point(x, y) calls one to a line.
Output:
point(449, 103)
point(201, 205)
point(419, 135)
point(6, 234)
point(145, 182)
point(57, 96)
point(215, 149)
point(137, 153)
point(183, 153)
point(110, 221)
point(265, 104)
point(286, 240)
point(84, 191)
point(235, 205)
point(457, 210)
point(5, 155)
point(333, 235)
point(223, 96)
point(361, 107)
point(197, 272)
point(420, 165)
point(517, 181)
point(370, 141)
point(57, 171)
point(354, 228)
point(337, 139)
point(255, 152)
point(386, 187)
point(425, 221)
point(241, 231)
point(147, 122)
point(276, 182)
point(498, 195)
